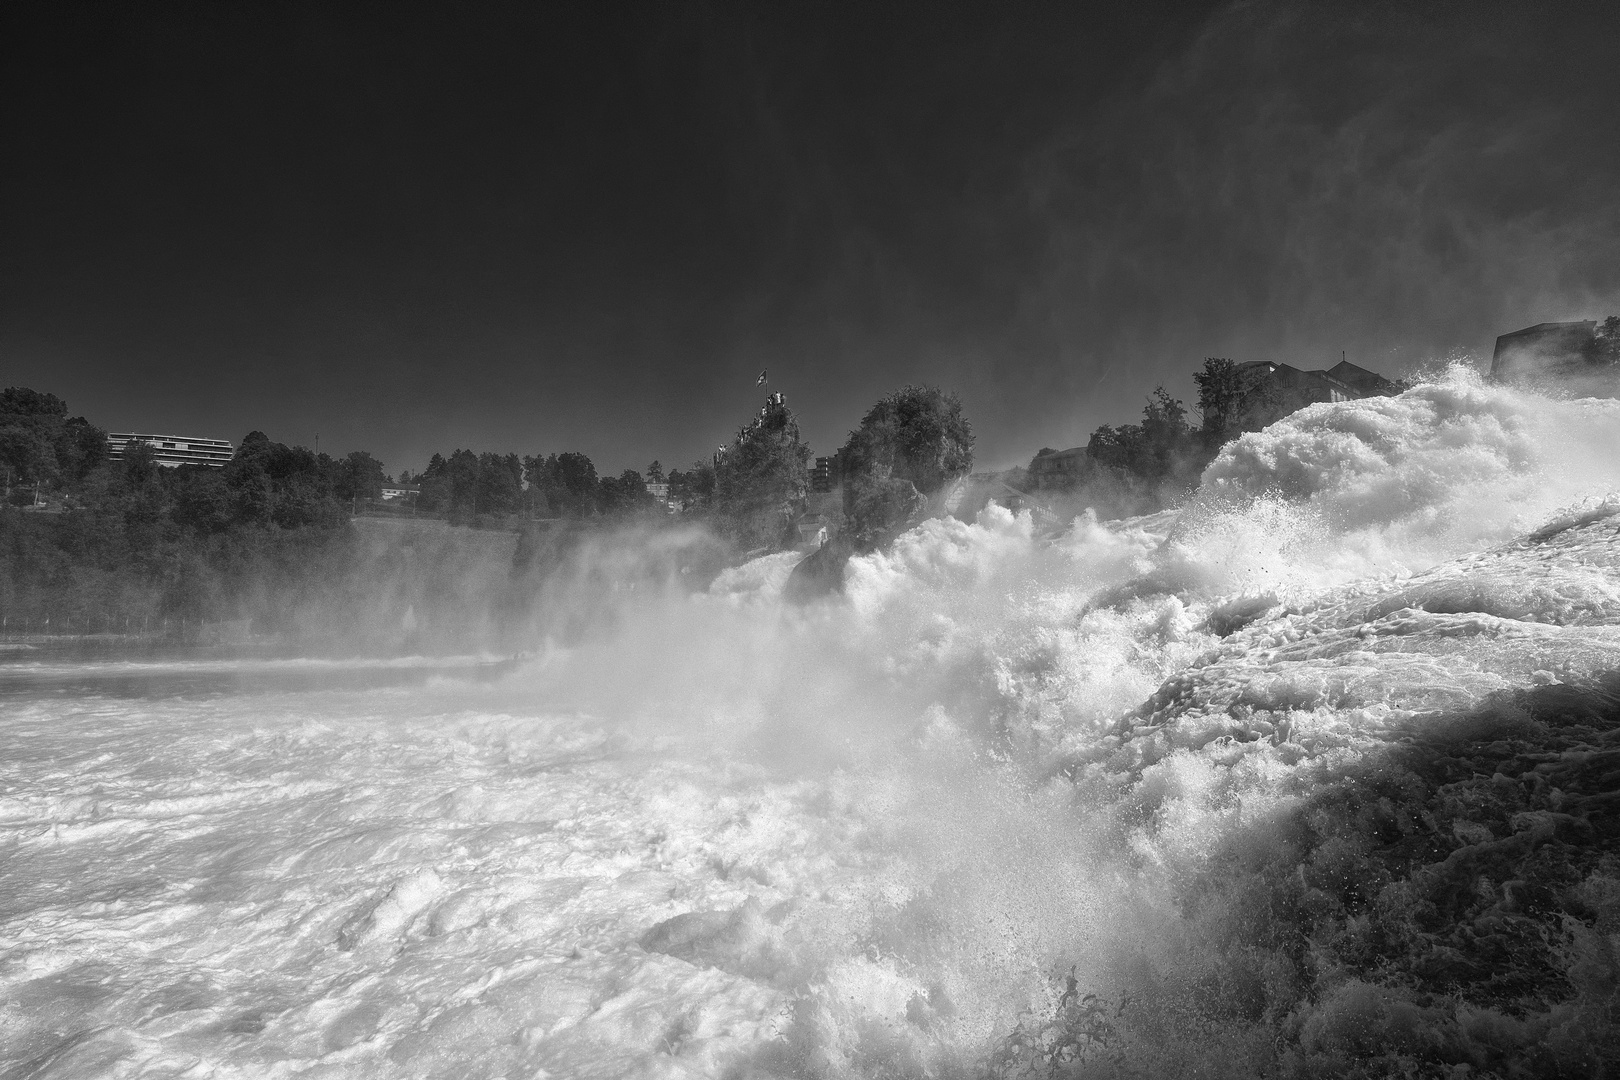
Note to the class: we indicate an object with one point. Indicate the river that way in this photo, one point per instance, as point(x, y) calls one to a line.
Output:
point(1165, 796)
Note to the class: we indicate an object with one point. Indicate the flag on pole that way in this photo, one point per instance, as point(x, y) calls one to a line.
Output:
point(761, 380)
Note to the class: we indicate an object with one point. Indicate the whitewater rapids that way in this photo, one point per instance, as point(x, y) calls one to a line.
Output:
point(1239, 789)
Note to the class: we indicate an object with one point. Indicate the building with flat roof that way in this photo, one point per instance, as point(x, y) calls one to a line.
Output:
point(173, 451)
point(1549, 348)
point(1058, 469)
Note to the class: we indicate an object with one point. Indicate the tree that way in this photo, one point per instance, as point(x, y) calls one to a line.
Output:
point(1164, 418)
point(461, 469)
point(21, 401)
point(1233, 400)
point(655, 473)
point(562, 485)
point(1161, 446)
point(139, 540)
point(693, 489)
point(500, 484)
point(1604, 347)
point(275, 484)
point(466, 485)
point(359, 476)
point(919, 433)
point(577, 483)
point(761, 479)
point(40, 444)
point(26, 453)
point(202, 500)
point(908, 446)
point(1124, 447)
point(625, 494)
point(1220, 394)
point(535, 476)
point(434, 482)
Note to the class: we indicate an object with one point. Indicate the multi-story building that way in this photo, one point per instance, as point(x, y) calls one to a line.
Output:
point(174, 451)
point(1272, 390)
point(1545, 349)
point(1057, 469)
point(826, 475)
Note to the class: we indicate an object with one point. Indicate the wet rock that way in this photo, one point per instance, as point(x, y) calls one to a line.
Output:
point(821, 574)
point(1234, 615)
point(741, 941)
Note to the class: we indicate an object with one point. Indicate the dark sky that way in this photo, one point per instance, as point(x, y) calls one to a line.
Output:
point(538, 227)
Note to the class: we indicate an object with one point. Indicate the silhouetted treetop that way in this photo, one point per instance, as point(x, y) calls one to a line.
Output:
point(918, 433)
point(21, 401)
point(1604, 348)
point(41, 445)
point(1162, 446)
point(908, 446)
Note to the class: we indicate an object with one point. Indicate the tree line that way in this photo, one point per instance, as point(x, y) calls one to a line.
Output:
point(1166, 446)
point(467, 487)
point(1135, 468)
point(905, 448)
point(128, 538)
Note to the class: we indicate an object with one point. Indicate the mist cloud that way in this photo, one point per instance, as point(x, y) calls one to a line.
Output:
point(1395, 183)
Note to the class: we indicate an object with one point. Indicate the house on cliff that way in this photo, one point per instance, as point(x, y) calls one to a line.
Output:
point(1273, 391)
point(1057, 470)
point(1545, 350)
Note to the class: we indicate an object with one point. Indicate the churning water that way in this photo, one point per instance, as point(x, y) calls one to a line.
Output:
point(1316, 774)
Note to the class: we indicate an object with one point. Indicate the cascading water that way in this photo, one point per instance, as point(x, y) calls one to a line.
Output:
point(1314, 775)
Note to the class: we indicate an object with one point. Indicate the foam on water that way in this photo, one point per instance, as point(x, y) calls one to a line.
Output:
point(1013, 805)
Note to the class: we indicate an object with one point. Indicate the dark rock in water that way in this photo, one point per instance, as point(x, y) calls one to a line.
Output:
point(1153, 584)
point(821, 574)
point(1234, 615)
point(1575, 520)
point(685, 935)
point(741, 941)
